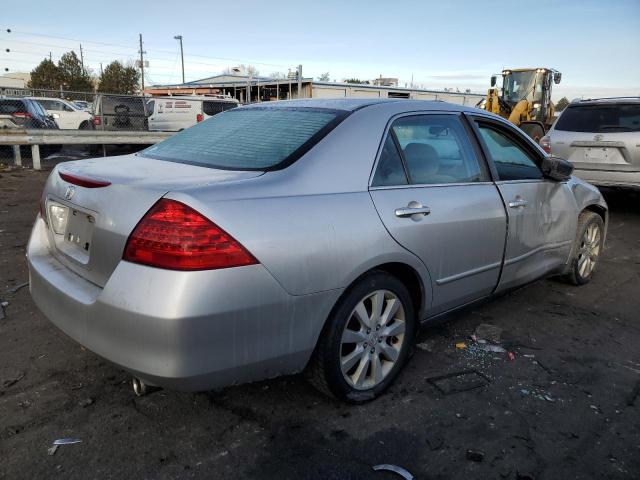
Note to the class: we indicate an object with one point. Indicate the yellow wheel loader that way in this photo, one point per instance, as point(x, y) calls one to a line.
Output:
point(524, 99)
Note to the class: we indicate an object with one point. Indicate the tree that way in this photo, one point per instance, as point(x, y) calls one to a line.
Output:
point(562, 104)
point(119, 78)
point(278, 75)
point(356, 80)
point(73, 75)
point(46, 75)
point(324, 77)
point(248, 70)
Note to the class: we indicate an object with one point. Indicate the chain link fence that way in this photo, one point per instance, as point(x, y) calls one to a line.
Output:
point(23, 108)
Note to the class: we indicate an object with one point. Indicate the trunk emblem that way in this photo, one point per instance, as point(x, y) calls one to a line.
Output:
point(597, 138)
point(69, 192)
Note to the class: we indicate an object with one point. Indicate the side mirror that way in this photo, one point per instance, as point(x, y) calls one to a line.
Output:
point(493, 80)
point(557, 76)
point(556, 168)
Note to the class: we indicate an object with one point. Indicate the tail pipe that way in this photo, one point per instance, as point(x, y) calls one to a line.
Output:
point(141, 389)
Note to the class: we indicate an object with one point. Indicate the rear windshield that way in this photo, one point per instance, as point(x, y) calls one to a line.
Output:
point(114, 105)
point(259, 138)
point(600, 118)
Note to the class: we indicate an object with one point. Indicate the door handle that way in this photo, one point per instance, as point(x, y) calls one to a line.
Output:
point(518, 202)
point(414, 208)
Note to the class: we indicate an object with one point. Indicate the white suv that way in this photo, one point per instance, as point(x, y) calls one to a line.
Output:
point(601, 137)
point(65, 113)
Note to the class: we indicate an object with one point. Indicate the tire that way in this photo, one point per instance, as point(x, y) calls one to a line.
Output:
point(587, 248)
point(345, 340)
point(86, 125)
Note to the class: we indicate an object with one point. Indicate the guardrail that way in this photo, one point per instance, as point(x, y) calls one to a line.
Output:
point(35, 138)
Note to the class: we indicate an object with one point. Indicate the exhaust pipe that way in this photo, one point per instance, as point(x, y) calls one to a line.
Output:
point(141, 389)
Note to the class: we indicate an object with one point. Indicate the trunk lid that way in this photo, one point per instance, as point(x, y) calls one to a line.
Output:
point(615, 151)
point(99, 220)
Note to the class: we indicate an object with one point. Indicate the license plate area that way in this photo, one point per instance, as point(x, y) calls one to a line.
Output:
point(74, 240)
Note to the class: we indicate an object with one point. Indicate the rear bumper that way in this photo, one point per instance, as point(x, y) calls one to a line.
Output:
point(181, 330)
point(609, 177)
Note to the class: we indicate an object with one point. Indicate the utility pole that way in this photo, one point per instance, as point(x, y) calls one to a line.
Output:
point(299, 81)
point(141, 52)
point(81, 57)
point(179, 37)
point(50, 57)
point(101, 71)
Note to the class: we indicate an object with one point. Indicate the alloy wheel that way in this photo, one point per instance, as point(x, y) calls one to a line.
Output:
point(589, 250)
point(372, 339)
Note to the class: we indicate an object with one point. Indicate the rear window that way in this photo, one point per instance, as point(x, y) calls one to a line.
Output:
point(114, 105)
point(213, 108)
point(11, 106)
point(261, 138)
point(600, 118)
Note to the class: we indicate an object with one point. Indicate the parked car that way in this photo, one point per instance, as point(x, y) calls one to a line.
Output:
point(120, 112)
point(309, 234)
point(25, 113)
point(83, 105)
point(172, 114)
point(65, 113)
point(601, 138)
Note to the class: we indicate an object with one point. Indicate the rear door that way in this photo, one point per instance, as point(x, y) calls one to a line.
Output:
point(542, 213)
point(599, 137)
point(435, 197)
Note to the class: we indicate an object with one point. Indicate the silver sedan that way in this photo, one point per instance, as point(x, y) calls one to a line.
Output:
point(304, 235)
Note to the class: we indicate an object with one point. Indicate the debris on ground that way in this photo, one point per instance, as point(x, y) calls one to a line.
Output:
point(395, 469)
point(18, 287)
point(434, 441)
point(486, 331)
point(427, 345)
point(461, 345)
point(634, 394)
point(62, 441)
point(511, 356)
point(86, 402)
point(458, 382)
point(12, 381)
point(487, 347)
point(475, 455)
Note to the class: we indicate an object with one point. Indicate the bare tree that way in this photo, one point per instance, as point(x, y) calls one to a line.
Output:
point(324, 77)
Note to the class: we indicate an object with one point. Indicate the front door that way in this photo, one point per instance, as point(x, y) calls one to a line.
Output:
point(435, 197)
point(542, 212)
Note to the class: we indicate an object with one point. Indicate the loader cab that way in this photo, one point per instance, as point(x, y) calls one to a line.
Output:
point(533, 85)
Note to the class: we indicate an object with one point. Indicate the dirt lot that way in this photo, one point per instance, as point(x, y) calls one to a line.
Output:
point(563, 408)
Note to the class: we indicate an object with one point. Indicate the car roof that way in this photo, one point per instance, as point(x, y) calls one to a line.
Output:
point(353, 104)
point(606, 101)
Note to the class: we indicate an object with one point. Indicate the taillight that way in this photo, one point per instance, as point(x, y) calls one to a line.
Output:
point(545, 143)
point(199, 117)
point(97, 121)
point(174, 236)
point(83, 181)
point(21, 115)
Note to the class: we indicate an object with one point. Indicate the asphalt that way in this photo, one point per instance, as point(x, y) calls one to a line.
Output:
point(565, 406)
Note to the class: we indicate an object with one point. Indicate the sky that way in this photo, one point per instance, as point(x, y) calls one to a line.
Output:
point(454, 44)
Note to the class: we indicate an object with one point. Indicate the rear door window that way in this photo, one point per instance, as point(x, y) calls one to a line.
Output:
point(436, 149)
point(600, 118)
point(257, 138)
point(390, 170)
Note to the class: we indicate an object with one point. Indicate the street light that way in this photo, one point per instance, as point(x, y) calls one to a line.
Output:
point(179, 37)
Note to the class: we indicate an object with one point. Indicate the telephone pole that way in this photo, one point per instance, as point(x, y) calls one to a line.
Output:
point(141, 52)
point(50, 57)
point(81, 57)
point(179, 37)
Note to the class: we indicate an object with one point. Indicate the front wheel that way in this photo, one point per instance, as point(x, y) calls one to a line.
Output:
point(587, 249)
point(366, 341)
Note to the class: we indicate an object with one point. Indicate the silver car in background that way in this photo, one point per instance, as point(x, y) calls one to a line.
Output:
point(601, 138)
point(305, 235)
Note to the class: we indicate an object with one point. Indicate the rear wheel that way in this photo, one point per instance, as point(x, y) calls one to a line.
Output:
point(366, 341)
point(587, 249)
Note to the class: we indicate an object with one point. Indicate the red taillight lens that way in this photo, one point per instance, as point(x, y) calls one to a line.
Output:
point(21, 115)
point(86, 182)
point(545, 143)
point(174, 236)
point(97, 121)
point(199, 117)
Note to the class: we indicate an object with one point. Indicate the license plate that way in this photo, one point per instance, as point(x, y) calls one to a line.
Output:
point(595, 155)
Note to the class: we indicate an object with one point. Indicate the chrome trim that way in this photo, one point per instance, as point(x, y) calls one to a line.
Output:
point(410, 211)
point(518, 203)
point(424, 185)
point(468, 273)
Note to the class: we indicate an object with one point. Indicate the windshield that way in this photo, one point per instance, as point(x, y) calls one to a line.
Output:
point(259, 138)
point(523, 85)
point(600, 118)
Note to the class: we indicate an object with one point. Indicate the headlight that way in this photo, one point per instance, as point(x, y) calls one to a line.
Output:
point(536, 105)
point(58, 218)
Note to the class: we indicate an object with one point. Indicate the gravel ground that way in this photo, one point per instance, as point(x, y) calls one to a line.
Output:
point(562, 408)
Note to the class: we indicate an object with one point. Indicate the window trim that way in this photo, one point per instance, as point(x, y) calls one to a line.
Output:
point(511, 133)
point(482, 162)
